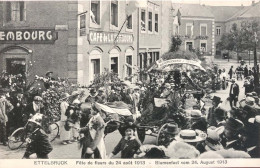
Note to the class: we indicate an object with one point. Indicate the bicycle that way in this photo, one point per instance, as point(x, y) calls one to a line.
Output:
point(18, 137)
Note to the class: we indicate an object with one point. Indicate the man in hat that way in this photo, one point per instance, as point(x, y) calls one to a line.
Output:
point(91, 97)
point(253, 139)
point(230, 72)
point(38, 141)
point(211, 114)
point(197, 121)
point(230, 138)
point(49, 77)
point(213, 138)
point(233, 93)
point(93, 145)
point(19, 104)
point(35, 107)
point(100, 97)
point(128, 145)
point(5, 108)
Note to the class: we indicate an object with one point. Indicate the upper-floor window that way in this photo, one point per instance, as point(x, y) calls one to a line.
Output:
point(95, 12)
point(15, 11)
point(156, 23)
point(150, 21)
point(129, 23)
point(218, 30)
point(143, 19)
point(189, 29)
point(203, 29)
point(114, 13)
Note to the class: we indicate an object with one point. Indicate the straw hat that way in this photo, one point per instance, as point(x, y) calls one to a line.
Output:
point(37, 119)
point(188, 136)
point(212, 141)
point(172, 129)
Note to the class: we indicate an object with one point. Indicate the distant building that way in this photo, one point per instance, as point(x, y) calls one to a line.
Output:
point(196, 29)
point(80, 39)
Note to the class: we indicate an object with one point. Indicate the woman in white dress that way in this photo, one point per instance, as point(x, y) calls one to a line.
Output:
point(65, 135)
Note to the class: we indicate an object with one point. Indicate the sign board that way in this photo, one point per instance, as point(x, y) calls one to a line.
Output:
point(98, 37)
point(165, 63)
point(28, 36)
point(82, 28)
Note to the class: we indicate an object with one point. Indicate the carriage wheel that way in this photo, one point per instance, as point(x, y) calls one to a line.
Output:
point(141, 134)
point(163, 138)
point(53, 131)
point(16, 140)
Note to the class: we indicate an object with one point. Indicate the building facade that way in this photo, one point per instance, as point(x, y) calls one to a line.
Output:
point(81, 39)
point(196, 29)
point(35, 37)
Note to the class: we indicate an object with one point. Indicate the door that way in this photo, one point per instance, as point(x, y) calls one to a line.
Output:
point(95, 69)
point(15, 66)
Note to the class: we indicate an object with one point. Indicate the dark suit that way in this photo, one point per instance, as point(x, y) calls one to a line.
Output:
point(18, 111)
point(39, 144)
point(29, 110)
point(233, 94)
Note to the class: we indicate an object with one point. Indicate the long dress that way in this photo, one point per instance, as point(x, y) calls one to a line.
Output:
point(64, 135)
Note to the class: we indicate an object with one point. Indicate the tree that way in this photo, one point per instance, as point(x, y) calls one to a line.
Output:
point(175, 44)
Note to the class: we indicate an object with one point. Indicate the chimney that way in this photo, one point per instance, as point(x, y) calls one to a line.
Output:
point(253, 3)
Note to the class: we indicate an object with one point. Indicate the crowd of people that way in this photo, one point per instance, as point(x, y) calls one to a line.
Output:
point(216, 133)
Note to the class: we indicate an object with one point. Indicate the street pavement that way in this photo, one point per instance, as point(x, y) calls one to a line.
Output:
point(72, 151)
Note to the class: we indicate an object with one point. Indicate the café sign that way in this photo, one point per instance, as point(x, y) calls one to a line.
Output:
point(29, 36)
point(96, 37)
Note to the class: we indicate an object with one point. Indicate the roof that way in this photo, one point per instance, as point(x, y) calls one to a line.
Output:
point(223, 13)
point(192, 10)
point(247, 12)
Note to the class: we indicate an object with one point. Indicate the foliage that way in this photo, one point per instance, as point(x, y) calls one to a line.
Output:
point(240, 39)
point(175, 44)
point(180, 55)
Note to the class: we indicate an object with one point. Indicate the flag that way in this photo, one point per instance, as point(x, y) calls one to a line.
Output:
point(192, 26)
point(179, 16)
point(132, 5)
point(175, 21)
point(92, 17)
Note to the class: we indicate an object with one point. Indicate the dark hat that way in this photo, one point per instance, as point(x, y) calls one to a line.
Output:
point(4, 91)
point(49, 72)
point(133, 126)
point(172, 129)
point(220, 113)
point(234, 124)
point(216, 99)
point(155, 153)
point(92, 90)
point(254, 93)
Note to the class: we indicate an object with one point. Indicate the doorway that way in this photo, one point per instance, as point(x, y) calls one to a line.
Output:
point(15, 66)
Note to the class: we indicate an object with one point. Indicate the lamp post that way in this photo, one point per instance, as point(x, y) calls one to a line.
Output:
point(256, 71)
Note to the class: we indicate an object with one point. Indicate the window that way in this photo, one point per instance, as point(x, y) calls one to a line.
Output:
point(15, 11)
point(189, 29)
point(156, 23)
point(82, 28)
point(143, 16)
point(150, 22)
point(218, 30)
point(95, 12)
point(203, 47)
point(114, 64)
point(129, 24)
point(189, 46)
point(114, 13)
point(203, 30)
point(129, 65)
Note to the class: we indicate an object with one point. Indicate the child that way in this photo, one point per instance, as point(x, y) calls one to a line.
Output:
point(128, 145)
point(38, 140)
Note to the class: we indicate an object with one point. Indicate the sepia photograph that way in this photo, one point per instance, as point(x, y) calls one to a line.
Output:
point(137, 80)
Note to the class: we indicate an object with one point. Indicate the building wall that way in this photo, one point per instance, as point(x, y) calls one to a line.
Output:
point(196, 22)
point(45, 57)
point(85, 50)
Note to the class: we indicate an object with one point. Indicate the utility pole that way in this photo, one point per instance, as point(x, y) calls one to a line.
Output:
point(256, 71)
